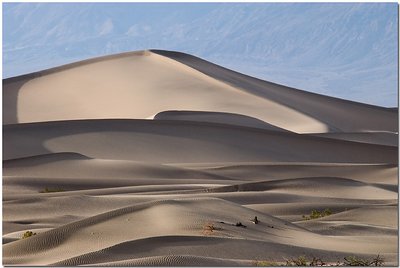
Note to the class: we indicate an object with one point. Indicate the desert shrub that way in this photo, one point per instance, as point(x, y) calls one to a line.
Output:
point(317, 262)
point(209, 227)
point(265, 263)
point(356, 261)
point(377, 261)
point(49, 190)
point(300, 261)
point(28, 234)
point(315, 214)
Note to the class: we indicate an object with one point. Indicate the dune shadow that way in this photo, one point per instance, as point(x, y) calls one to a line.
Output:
point(11, 88)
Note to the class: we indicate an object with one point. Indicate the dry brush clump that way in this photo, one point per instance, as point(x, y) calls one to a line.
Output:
point(50, 190)
point(28, 234)
point(265, 263)
point(315, 214)
point(209, 228)
point(356, 261)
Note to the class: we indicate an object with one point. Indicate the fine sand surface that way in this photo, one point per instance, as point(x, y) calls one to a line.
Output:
point(151, 158)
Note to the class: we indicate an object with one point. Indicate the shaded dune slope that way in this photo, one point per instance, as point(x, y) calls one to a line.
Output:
point(174, 142)
point(46, 166)
point(370, 173)
point(322, 186)
point(215, 117)
point(232, 251)
point(175, 260)
point(383, 138)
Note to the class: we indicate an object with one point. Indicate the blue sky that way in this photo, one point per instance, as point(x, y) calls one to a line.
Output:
point(345, 50)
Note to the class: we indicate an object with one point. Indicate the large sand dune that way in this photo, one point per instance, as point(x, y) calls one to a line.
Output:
point(152, 158)
point(182, 141)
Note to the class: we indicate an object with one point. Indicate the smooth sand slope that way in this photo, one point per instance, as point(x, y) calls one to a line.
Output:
point(153, 158)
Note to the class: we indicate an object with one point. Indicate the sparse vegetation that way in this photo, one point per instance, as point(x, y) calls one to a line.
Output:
point(300, 261)
point(265, 263)
point(315, 214)
point(303, 261)
point(28, 234)
point(209, 228)
point(355, 261)
point(377, 261)
point(49, 190)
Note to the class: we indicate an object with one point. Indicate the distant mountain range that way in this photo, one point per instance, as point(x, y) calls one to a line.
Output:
point(343, 50)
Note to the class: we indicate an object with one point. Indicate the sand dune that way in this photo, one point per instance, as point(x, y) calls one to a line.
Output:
point(306, 186)
point(370, 173)
point(136, 93)
point(165, 141)
point(177, 260)
point(337, 114)
point(78, 166)
point(231, 249)
point(149, 220)
point(153, 158)
point(146, 220)
point(216, 117)
point(383, 138)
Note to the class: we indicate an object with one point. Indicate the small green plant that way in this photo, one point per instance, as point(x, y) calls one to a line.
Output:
point(49, 190)
point(317, 262)
point(28, 234)
point(265, 263)
point(356, 261)
point(300, 261)
point(315, 214)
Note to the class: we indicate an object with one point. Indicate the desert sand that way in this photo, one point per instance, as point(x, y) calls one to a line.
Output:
point(151, 158)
